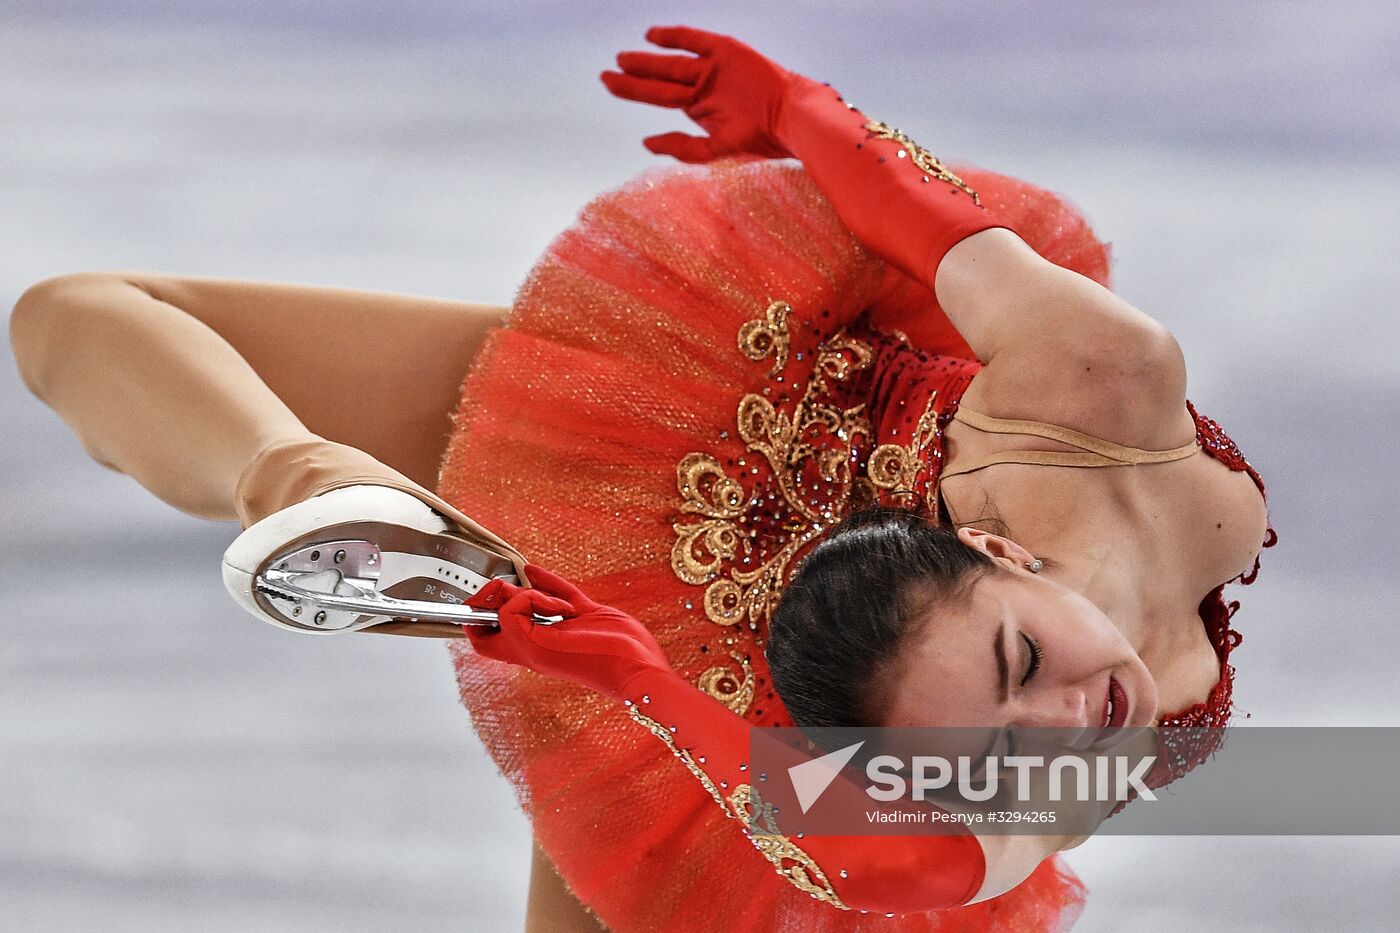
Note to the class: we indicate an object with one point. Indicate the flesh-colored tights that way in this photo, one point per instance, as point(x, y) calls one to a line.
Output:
point(197, 387)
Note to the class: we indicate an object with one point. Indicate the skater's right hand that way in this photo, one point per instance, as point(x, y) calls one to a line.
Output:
point(597, 646)
point(731, 90)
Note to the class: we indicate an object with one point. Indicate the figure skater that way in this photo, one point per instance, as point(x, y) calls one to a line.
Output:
point(864, 441)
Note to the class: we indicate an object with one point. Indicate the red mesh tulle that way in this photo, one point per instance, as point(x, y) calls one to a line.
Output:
point(619, 359)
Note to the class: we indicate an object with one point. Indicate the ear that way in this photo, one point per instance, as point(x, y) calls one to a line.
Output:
point(1002, 550)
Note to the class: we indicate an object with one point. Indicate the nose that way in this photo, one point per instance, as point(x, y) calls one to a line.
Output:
point(1063, 721)
point(1065, 708)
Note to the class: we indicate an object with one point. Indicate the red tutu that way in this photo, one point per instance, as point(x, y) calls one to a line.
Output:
point(621, 368)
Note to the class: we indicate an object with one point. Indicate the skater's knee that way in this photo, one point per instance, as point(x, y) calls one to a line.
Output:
point(35, 327)
point(44, 317)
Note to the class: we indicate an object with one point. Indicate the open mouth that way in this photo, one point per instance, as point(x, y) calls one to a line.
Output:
point(1115, 705)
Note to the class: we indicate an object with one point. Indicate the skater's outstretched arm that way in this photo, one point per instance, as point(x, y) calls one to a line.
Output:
point(1057, 346)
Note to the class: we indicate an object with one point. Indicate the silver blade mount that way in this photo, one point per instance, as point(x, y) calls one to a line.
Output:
point(334, 586)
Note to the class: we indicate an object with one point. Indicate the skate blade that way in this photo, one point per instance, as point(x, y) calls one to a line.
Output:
point(369, 576)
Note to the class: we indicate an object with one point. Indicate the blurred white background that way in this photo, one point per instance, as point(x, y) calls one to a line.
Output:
point(167, 763)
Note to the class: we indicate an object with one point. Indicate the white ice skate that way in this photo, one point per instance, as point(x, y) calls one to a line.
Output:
point(358, 558)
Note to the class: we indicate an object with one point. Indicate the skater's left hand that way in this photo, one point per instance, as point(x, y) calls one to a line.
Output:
point(731, 90)
point(597, 646)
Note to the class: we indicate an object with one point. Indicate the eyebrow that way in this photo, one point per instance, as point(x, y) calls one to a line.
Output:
point(1003, 669)
point(1003, 676)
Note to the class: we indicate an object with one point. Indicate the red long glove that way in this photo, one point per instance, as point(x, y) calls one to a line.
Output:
point(893, 194)
point(614, 654)
point(597, 646)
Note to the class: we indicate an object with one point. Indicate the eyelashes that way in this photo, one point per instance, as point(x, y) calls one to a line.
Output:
point(1034, 647)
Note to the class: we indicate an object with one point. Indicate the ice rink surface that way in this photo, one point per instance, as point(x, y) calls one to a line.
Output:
point(168, 764)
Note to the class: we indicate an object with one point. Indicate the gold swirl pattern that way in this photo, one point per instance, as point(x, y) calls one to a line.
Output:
point(739, 535)
point(894, 467)
point(921, 157)
point(724, 550)
point(703, 546)
point(768, 334)
point(807, 463)
point(735, 693)
point(791, 861)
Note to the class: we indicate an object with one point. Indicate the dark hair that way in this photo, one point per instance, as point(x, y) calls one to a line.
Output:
point(853, 603)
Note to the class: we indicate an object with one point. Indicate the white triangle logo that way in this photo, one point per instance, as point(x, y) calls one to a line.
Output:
point(811, 778)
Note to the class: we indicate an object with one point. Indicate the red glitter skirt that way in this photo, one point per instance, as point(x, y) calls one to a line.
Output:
point(622, 359)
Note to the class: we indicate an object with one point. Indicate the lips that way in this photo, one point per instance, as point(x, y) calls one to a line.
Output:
point(1115, 705)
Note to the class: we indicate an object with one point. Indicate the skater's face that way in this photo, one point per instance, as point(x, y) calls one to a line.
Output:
point(1020, 650)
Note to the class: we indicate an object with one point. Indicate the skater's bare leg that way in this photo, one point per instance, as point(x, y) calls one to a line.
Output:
point(551, 908)
point(180, 381)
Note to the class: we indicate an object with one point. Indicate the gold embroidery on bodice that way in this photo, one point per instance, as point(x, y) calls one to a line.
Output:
point(807, 464)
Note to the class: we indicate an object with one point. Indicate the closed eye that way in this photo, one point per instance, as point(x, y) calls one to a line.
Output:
point(1033, 651)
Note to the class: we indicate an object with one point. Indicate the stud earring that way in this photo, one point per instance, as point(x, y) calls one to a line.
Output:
point(1035, 565)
